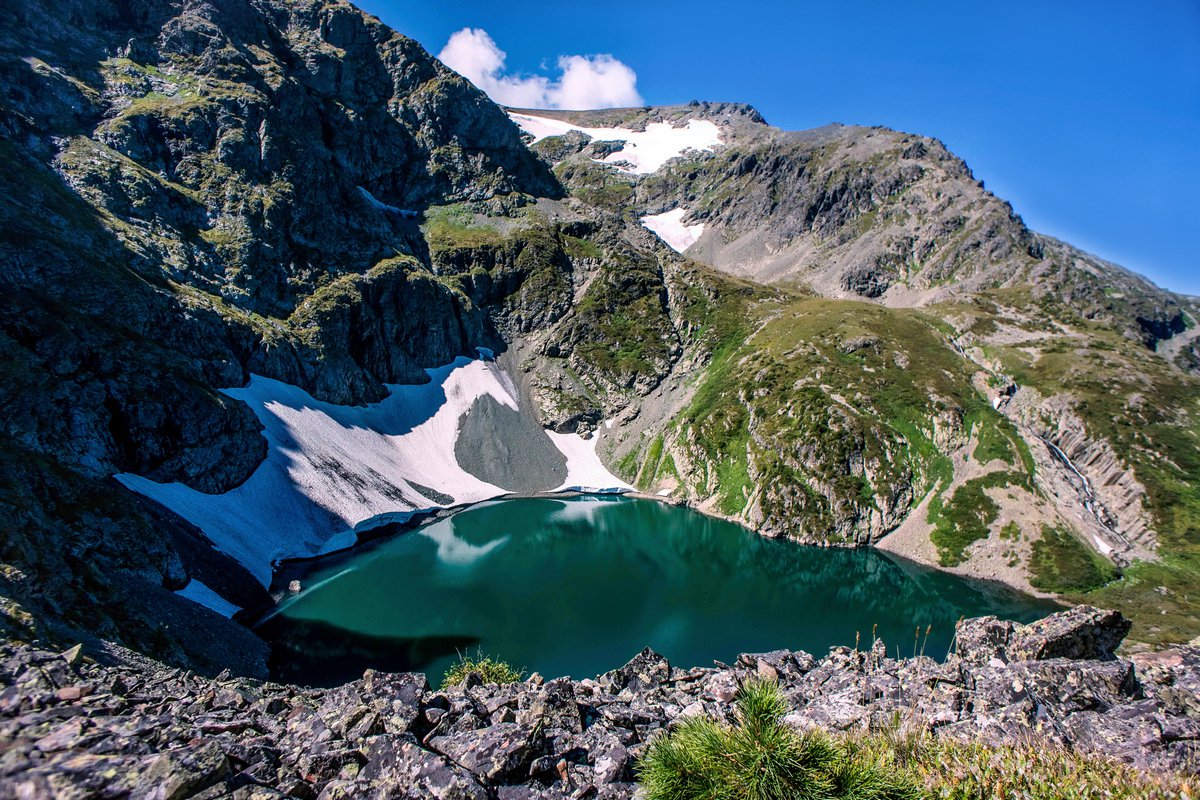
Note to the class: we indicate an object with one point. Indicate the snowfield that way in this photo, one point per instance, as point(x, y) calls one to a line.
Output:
point(333, 470)
point(197, 592)
point(645, 151)
point(585, 473)
point(670, 228)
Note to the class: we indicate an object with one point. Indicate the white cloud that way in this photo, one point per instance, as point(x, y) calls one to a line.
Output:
point(598, 81)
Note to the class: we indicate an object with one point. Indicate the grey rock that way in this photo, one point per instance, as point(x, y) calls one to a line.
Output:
point(1082, 632)
point(495, 754)
point(555, 707)
point(981, 639)
point(397, 767)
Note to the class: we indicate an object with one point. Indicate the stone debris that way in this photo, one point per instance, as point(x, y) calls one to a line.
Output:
point(73, 727)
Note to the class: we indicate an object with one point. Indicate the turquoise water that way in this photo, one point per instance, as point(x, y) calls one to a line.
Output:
point(578, 586)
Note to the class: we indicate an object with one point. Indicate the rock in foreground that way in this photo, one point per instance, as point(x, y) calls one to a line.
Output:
point(71, 727)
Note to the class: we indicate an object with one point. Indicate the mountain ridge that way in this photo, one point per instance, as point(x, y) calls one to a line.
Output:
point(202, 192)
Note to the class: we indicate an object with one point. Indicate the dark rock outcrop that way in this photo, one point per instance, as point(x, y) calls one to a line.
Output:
point(1081, 633)
point(193, 192)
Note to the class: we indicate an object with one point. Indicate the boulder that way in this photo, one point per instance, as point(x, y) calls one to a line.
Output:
point(555, 707)
point(646, 670)
point(396, 697)
point(1079, 633)
point(982, 639)
point(495, 754)
point(398, 767)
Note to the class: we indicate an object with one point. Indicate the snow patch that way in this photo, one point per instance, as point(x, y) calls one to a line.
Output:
point(382, 206)
point(585, 472)
point(644, 151)
point(664, 492)
point(197, 592)
point(1103, 546)
point(330, 468)
point(670, 228)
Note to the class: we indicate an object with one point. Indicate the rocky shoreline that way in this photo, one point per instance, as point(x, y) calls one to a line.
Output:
point(110, 723)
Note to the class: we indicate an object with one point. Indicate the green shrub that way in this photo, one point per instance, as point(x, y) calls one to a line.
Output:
point(761, 758)
point(968, 516)
point(489, 669)
point(1061, 563)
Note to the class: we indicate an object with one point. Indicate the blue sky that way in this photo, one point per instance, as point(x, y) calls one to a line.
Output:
point(1084, 115)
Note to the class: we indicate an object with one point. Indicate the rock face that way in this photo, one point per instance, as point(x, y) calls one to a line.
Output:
point(195, 192)
point(1086, 470)
point(70, 726)
point(1083, 634)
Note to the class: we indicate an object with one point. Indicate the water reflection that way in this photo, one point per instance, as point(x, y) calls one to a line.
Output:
point(576, 586)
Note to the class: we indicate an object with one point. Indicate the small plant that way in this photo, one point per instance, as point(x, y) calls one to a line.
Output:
point(761, 758)
point(490, 670)
point(1032, 770)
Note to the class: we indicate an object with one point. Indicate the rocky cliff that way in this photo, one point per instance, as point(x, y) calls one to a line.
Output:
point(194, 192)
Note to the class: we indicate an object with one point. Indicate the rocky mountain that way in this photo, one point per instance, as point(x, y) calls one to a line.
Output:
point(251, 248)
point(195, 192)
point(912, 367)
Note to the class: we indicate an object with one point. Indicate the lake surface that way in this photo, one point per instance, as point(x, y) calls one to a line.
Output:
point(577, 586)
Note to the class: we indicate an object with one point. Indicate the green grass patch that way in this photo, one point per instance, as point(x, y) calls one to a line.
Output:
point(1011, 532)
point(956, 770)
point(994, 437)
point(649, 469)
point(455, 227)
point(825, 385)
point(1062, 563)
point(968, 516)
point(578, 248)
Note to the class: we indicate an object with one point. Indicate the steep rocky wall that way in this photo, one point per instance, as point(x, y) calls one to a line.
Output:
point(195, 191)
point(1086, 474)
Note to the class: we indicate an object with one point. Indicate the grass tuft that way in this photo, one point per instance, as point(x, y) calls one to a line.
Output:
point(490, 670)
point(955, 770)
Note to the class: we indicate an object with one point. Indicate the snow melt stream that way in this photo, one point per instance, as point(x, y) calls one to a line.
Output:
point(644, 151)
point(331, 470)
